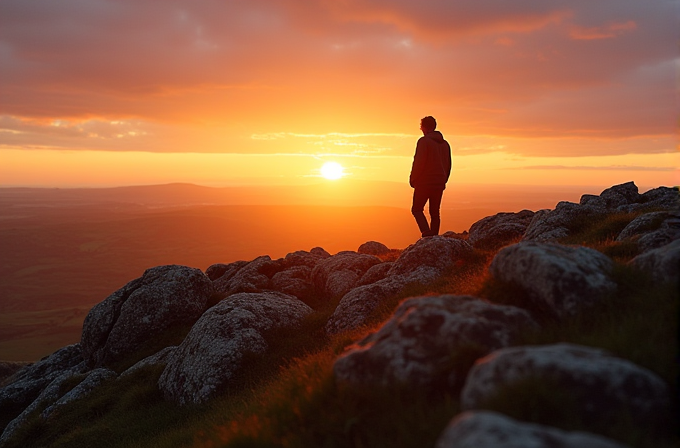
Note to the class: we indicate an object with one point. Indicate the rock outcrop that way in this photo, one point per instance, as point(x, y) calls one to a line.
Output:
point(373, 248)
point(251, 277)
point(164, 297)
point(420, 263)
point(483, 429)
point(558, 280)
point(596, 380)
point(500, 229)
point(215, 349)
point(430, 342)
point(662, 263)
point(336, 275)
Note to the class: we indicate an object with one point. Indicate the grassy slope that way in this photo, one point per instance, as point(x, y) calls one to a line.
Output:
point(290, 398)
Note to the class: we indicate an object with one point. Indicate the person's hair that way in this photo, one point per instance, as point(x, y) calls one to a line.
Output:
point(429, 123)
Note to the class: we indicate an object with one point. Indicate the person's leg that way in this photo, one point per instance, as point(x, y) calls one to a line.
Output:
point(435, 198)
point(419, 199)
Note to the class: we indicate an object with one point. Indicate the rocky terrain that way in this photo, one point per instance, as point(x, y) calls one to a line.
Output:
point(203, 330)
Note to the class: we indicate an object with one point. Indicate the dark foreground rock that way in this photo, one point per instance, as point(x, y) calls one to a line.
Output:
point(429, 341)
point(597, 381)
point(499, 229)
point(559, 280)
point(419, 264)
point(483, 429)
point(215, 348)
point(164, 297)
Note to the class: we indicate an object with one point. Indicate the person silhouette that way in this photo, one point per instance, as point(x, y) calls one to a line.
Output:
point(429, 173)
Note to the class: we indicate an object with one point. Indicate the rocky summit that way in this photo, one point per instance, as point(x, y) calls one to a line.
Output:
point(477, 324)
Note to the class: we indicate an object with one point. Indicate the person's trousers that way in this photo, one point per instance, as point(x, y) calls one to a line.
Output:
point(433, 195)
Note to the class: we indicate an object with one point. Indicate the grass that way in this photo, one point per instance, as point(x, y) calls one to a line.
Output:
point(290, 397)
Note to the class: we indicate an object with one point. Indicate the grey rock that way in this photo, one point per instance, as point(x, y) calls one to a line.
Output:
point(93, 380)
point(215, 348)
point(657, 198)
point(157, 359)
point(336, 275)
point(304, 258)
point(558, 279)
point(484, 429)
point(224, 271)
point(253, 277)
point(593, 201)
point(598, 381)
point(376, 273)
point(294, 281)
point(642, 224)
point(550, 225)
point(662, 263)
point(9, 368)
point(27, 384)
point(165, 296)
point(373, 248)
point(499, 229)
point(421, 263)
point(428, 341)
point(622, 194)
point(459, 236)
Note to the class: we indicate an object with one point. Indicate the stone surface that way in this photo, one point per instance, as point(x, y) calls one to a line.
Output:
point(560, 280)
point(421, 263)
point(550, 225)
point(224, 271)
point(93, 380)
point(304, 258)
point(294, 281)
point(597, 381)
point(376, 273)
point(373, 248)
point(157, 359)
point(663, 263)
point(484, 429)
point(253, 277)
point(622, 194)
point(427, 342)
point(499, 229)
point(164, 297)
point(336, 275)
point(28, 383)
point(9, 368)
point(215, 348)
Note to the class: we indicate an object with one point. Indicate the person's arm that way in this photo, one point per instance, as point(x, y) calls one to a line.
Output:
point(447, 161)
point(418, 163)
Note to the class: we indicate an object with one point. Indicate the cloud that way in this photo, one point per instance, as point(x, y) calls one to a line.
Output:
point(594, 168)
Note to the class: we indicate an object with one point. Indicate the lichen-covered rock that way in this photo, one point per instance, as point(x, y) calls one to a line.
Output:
point(304, 258)
point(428, 341)
point(597, 381)
point(622, 194)
point(662, 263)
point(26, 385)
point(559, 280)
point(159, 358)
point(294, 281)
point(373, 248)
point(224, 271)
point(421, 263)
point(336, 275)
point(215, 348)
point(550, 225)
point(165, 296)
point(253, 277)
point(376, 273)
point(499, 229)
point(484, 429)
point(9, 368)
point(93, 380)
point(652, 230)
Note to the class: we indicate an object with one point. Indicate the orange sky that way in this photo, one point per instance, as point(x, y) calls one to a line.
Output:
point(96, 92)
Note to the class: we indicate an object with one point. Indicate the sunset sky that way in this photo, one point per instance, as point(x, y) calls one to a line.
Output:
point(535, 92)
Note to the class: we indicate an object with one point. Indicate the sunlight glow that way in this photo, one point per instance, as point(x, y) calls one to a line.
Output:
point(332, 170)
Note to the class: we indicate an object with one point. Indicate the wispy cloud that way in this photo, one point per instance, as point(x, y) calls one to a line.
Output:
point(594, 168)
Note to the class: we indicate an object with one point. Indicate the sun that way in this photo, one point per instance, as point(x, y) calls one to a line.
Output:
point(332, 170)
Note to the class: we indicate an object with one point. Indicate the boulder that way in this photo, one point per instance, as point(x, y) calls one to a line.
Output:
point(657, 198)
point(336, 275)
point(219, 270)
point(215, 349)
point(253, 277)
point(484, 429)
point(662, 263)
point(9, 368)
point(644, 223)
point(421, 263)
point(373, 248)
point(459, 236)
point(622, 194)
point(558, 280)
point(376, 273)
point(499, 229)
point(26, 384)
point(551, 225)
point(597, 381)
point(652, 230)
point(93, 380)
point(164, 297)
point(430, 342)
point(157, 359)
point(304, 258)
point(294, 281)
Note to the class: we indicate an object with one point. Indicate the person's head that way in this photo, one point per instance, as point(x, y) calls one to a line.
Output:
point(428, 124)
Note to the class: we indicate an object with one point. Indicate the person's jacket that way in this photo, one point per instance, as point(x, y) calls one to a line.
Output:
point(432, 161)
